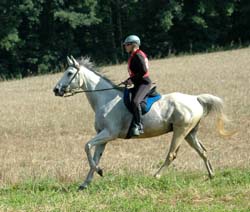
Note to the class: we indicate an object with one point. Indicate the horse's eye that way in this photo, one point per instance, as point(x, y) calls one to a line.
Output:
point(69, 74)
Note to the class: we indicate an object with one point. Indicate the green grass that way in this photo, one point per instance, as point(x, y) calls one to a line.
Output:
point(176, 191)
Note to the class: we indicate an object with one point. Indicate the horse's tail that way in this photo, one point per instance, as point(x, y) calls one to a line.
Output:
point(212, 103)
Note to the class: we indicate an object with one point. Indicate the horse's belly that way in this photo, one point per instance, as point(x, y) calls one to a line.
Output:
point(152, 129)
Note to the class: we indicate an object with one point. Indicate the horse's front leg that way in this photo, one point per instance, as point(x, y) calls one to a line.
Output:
point(99, 141)
point(97, 156)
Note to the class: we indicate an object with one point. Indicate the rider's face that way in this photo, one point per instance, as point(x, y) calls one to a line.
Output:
point(128, 47)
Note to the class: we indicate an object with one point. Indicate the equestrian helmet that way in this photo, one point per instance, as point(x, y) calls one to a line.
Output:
point(132, 39)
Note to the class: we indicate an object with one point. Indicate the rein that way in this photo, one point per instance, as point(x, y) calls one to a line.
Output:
point(73, 92)
point(76, 91)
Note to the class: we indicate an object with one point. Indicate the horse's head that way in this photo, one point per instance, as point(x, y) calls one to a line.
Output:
point(70, 80)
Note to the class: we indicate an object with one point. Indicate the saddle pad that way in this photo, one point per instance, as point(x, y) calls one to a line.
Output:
point(149, 102)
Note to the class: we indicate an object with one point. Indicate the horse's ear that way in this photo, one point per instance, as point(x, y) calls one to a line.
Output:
point(70, 62)
point(76, 64)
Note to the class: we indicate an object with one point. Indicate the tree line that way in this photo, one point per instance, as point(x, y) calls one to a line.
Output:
point(36, 36)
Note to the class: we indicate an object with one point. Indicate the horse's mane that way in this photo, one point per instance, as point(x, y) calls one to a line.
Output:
point(87, 63)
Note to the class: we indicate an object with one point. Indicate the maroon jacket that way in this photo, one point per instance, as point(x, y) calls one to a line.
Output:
point(138, 68)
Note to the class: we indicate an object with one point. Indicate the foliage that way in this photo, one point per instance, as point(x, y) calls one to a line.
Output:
point(36, 36)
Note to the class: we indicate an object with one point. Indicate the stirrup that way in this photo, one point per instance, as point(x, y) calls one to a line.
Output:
point(141, 128)
point(137, 130)
point(141, 131)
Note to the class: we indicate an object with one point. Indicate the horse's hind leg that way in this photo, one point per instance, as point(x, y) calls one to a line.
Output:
point(199, 147)
point(178, 137)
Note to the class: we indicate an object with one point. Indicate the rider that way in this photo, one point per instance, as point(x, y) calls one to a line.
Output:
point(138, 70)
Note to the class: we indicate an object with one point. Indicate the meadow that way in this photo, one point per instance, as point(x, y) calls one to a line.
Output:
point(42, 158)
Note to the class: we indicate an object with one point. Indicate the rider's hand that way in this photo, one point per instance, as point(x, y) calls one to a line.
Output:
point(128, 82)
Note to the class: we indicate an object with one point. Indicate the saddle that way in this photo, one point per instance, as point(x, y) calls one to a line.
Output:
point(152, 97)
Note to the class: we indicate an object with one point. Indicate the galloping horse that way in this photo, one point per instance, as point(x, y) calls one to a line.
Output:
point(175, 112)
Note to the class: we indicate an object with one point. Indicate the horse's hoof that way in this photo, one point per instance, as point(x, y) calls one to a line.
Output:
point(82, 187)
point(100, 172)
point(157, 176)
point(211, 176)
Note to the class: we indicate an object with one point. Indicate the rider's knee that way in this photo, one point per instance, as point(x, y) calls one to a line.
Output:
point(136, 103)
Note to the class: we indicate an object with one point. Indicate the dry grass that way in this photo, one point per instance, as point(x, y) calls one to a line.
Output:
point(44, 136)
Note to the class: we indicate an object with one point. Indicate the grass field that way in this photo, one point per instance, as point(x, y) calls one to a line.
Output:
point(42, 158)
point(176, 191)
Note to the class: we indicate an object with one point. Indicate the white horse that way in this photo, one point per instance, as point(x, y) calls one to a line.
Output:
point(177, 112)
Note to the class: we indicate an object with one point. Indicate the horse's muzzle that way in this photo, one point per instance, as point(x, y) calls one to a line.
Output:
point(58, 92)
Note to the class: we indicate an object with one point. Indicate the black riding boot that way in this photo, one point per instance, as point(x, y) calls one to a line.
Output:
point(137, 127)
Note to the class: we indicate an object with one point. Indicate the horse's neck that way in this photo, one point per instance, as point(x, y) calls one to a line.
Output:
point(93, 82)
